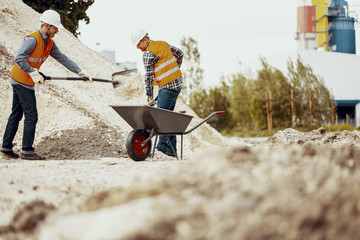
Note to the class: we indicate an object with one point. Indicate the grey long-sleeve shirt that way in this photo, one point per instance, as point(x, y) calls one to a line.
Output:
point(28, 45)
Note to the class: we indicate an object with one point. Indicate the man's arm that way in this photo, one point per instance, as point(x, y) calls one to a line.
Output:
point(149, 60)
point(27, 46)
point(64, 60)
point(178, 54)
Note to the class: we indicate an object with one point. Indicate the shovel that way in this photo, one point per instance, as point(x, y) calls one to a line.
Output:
point(115, 83)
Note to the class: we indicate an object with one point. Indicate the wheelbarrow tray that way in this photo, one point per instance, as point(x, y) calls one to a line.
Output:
point(160, 120)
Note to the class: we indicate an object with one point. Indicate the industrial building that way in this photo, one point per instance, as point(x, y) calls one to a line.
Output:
point(326, 41)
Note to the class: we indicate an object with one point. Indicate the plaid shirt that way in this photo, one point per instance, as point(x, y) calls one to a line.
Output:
point(150, 60)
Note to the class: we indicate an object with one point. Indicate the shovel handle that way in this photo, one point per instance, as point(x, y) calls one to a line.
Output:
point(80, 79)
point(77, 79)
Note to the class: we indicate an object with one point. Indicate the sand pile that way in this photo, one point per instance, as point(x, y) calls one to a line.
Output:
point(318, 137)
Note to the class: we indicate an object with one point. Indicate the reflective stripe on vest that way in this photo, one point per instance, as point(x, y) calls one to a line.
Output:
point(166, 69)
point(35, 59)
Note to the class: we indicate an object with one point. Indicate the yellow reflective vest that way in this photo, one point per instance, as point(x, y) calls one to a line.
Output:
point(36, 58)
point(166, 69)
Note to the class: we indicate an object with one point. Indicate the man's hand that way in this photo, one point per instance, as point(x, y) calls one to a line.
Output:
point(36, 77)
point(85, 75)
point(151, 101)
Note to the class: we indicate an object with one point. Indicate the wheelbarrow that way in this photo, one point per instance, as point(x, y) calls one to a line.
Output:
point(148, 122)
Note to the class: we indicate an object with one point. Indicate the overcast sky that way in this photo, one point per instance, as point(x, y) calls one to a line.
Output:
point(227, 31)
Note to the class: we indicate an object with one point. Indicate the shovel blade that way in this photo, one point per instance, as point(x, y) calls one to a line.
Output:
point(124, 73)
point(116, 85)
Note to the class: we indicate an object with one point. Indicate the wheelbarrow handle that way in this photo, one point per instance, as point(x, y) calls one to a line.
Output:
point(203, 121)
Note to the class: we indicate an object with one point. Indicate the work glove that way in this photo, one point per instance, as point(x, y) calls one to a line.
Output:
point(151, 101)
point(85, 75)
point(36, 77)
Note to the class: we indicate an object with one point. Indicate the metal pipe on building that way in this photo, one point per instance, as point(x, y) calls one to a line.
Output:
point(325, 25)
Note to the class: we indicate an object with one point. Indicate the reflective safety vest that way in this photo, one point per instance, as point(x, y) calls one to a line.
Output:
point(36, 58)
point(166, 69)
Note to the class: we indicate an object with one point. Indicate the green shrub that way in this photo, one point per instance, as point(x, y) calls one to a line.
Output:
point(339, 128)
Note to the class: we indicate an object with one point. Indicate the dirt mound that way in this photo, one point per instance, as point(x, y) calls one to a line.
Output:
point(250, 193)
point(27, 219)
point(83, 143)
point(318, 136)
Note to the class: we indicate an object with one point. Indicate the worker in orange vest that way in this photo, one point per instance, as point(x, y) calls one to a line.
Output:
point(32, 53)
point(162, 68)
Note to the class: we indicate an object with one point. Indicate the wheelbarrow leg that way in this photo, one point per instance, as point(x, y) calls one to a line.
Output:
point(153, 153)
point(181, 147)
point(172, 148)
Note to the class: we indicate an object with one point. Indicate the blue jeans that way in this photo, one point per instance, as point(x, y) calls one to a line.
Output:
point(167, 100)
point(24, 103)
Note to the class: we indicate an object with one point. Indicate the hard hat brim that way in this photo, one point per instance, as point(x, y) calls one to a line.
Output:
point(135, 44)
point(137, 35)
point(60, 26)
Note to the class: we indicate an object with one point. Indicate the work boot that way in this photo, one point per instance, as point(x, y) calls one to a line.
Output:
point(31, 156)
point(10, 154)
point(171, 154)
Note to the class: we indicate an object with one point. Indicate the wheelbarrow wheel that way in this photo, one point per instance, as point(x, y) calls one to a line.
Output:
point(133, 145)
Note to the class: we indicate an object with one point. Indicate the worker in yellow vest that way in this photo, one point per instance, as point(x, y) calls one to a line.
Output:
point(162, 68)
point(32, 53)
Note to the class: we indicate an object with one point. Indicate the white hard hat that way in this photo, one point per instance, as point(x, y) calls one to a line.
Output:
point(137, 35)
point(51, 17)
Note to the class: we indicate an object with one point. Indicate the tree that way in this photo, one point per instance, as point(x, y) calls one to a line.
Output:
point(240, 100)
point(271, 81)
point(245, 103)
point(71, 11)
point(302, 80)
point(193, 73)
point(199, 104)
point(204, 103)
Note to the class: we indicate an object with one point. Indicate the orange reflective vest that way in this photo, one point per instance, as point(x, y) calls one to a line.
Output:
point(36, 58)
point(166, 69)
